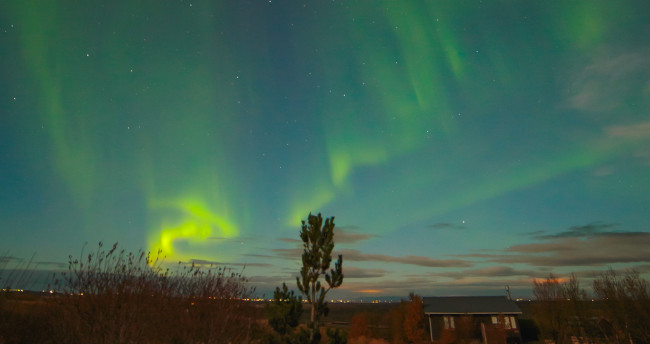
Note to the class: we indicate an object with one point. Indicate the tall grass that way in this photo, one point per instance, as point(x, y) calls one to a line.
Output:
point(114, 296)
point(15, 272)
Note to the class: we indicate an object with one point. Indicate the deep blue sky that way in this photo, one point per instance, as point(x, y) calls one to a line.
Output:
point(461, 146)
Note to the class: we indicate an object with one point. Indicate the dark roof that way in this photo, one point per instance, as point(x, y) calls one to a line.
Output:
point(470, 305)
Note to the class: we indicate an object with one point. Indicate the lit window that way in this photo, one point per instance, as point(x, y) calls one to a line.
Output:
point(495, 320)
point(506, 321)
point(513, 322)
point(449, 322)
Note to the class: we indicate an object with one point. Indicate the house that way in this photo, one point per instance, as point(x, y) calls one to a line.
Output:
point(482, 318)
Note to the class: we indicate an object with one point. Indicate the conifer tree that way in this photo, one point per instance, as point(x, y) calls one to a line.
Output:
point(284, 311)
point(318, 243)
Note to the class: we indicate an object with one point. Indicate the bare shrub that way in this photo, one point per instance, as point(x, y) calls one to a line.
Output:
point(626, 311)
point(112, 296)
point(621, 313)
point(556, 307)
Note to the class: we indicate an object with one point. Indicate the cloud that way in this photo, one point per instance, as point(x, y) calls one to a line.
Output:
point(589, 275)
point(644, 155)
point(429, 286)
point(258, 255)
point(447, 225)
point(342, 235)
point(483, 286)
point(355, 255)
point(591, 229)
point(347, 236)
point(604, 85)
point(484, 281)
point(639, 130)
point(348, 228)
point(578, 242)
point(288, 253)
point(395, 286)
point(601, 249)
point(492, 271)
point(535, 233)
point(636, 131)
point(353, 272)
point(209, 262)
point(595, 244)
point(603, 171)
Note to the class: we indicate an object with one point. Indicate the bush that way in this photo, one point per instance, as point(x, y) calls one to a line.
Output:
point(359, 326)
point(118, 297)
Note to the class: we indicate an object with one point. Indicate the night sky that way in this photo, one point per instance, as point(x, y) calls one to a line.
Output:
point(461, 145)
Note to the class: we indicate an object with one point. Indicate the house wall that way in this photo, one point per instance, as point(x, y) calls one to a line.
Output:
point(448, 327)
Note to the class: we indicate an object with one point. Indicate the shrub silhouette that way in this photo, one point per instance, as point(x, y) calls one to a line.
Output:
point(112, 296)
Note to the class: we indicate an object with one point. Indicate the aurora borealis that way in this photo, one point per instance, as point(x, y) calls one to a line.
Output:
point(461, 146)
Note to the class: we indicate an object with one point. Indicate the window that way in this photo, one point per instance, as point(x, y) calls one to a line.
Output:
point(513, 322)
point(506, 321)
point(449, 322)
point(495, 320)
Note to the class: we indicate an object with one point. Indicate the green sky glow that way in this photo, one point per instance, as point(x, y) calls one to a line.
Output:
point(210, 130)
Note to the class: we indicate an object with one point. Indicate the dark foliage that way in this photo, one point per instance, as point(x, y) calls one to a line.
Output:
point(284, 311)
point(318, 243)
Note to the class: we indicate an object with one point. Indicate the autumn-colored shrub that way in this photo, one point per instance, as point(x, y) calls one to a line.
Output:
point(407, 321)
point(414, 328)
point(359, 326)
point(447, 336)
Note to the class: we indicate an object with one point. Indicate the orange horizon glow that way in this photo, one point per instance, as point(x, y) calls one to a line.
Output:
point(371, 291)
point(547, 280)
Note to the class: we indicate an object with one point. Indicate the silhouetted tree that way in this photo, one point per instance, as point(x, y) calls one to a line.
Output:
point(318, 243)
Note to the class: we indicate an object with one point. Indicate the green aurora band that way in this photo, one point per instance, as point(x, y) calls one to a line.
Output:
point(171, 113)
